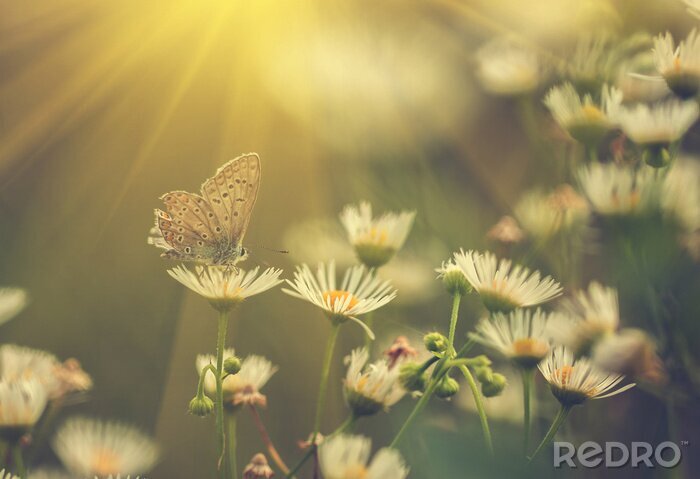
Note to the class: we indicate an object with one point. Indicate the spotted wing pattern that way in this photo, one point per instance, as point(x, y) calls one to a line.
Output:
point(232, 192)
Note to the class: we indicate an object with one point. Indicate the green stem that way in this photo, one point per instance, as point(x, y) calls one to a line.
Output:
point(420, 405)
point(556, 424)
point(18, 461)
point(323, 386)
point(479, 407)
point(231, 433)
point(527, 375)
point(453, 320)
point(221, 434)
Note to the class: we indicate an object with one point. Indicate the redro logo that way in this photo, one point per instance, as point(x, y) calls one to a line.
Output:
point(616, 454)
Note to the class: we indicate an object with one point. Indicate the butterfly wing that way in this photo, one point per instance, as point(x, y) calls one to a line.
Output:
point(189, 227)
point(232, 192)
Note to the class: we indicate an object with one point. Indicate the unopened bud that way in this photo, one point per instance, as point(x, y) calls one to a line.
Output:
point(447, 388)
point(258, 468)
point(435, 342)
point(201, 406)
point(412, 377)
point(232, 365)
point(495, 387)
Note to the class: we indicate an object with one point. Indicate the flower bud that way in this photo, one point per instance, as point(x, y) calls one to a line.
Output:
point(258, 468)
point(412, 377)
point(484, 374)
point(495, 387)
point(201, 406)
point(480, 361)
point(447, 388)
point(435, 342)
point(453, 279)
point(232, 365)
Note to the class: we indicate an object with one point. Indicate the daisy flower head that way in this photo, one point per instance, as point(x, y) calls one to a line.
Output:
point(225, 288)
point(586, 318)
point(620, 191)
point(574, 382)
point(679, 65)
point(19, 362)
point(22, 402)
point(656, 128)
point(522, 336)
point(680, 197)
point(370, 388)
point(506, 67)
point(545, 215)
point(376, 240)
point(242, 388)
point(91, 447)
point(453, 278)
point(503, 287)
point(586, 120)
point(12, 301)
point(347, 457)
point(359, 292)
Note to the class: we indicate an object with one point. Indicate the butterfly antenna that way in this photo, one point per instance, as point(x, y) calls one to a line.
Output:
point(283, 251)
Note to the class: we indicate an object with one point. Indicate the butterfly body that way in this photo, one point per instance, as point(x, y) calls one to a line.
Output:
point(209, 228)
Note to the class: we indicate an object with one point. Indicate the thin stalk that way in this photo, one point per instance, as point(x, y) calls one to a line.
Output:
point(18, 461)
point(268, 442)
point(323, 386)
point(221, 434)
point(479, 407)
point(420, 405)
point(556, 424)
point(453, 320)
point(231, 432)
point(527, 375)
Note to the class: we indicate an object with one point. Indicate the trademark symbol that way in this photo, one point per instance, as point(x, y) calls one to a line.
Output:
point(684, 443)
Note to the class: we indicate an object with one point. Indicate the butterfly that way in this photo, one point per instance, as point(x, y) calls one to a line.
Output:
point(209, 228)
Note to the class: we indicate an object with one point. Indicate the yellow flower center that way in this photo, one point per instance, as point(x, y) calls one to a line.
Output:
point(355, 472)
point(105, 462)
point(375, 236)
point(335, 296)
point(563, 374)
point(592, 113)
point(530, 347)
point(677, 66)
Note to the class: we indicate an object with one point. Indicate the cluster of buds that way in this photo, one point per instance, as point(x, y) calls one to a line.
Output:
point(492, 384)
point(202, 405)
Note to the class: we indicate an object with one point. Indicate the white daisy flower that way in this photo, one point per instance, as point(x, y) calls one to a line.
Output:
point(91, 447)
point(8, 475)
point(359, 292)
point(226, 287)
point(679, 65)
point(574, 382)
point(369, 389)
point(346, 457)
point(586, 318)
point(243, 387)
point(616, 190)
point(508, 68)
point(681, 193)
point(19, 363)
point(502, 286)
point(660, 124)
point(376, 240)
point(586, 120)
point(522, 336)
point(12, 301)
point(544, 215)
point(22, 401)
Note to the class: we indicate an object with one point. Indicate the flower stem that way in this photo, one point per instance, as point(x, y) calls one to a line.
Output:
point(556, 424)
point(221, 434)
point(268, 442)
point(422, 402)
point(231, 432)
point(527, 375)
point(18, 461)
point(479, 407)
point(453, 320)
point(323, 386)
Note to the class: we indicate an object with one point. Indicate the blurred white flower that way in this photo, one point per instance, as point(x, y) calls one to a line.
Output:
point(681, 193)
point(544, 215)
point(242, 388)
point(12, 301)
point(508, 68)
point(615, 190)
point(19, 363)
point(574, 382)
point(586, 120)
point(631, 352)
point(22, 401)
point(502, 286)
point(371, 388)
point(226, 287)
point(679, 65)
point(506, 231)
point(91, 447)
point(522, 336)
point(693, 7)
point(346, 457)
point(658, 124)
point(359, 292)
point(44, 473)
point(376, 240)
point(8, 475)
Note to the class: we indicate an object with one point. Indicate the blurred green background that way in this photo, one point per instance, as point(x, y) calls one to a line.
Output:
point(106, 105)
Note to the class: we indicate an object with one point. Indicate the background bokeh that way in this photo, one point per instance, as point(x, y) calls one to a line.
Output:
point(106, 105)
